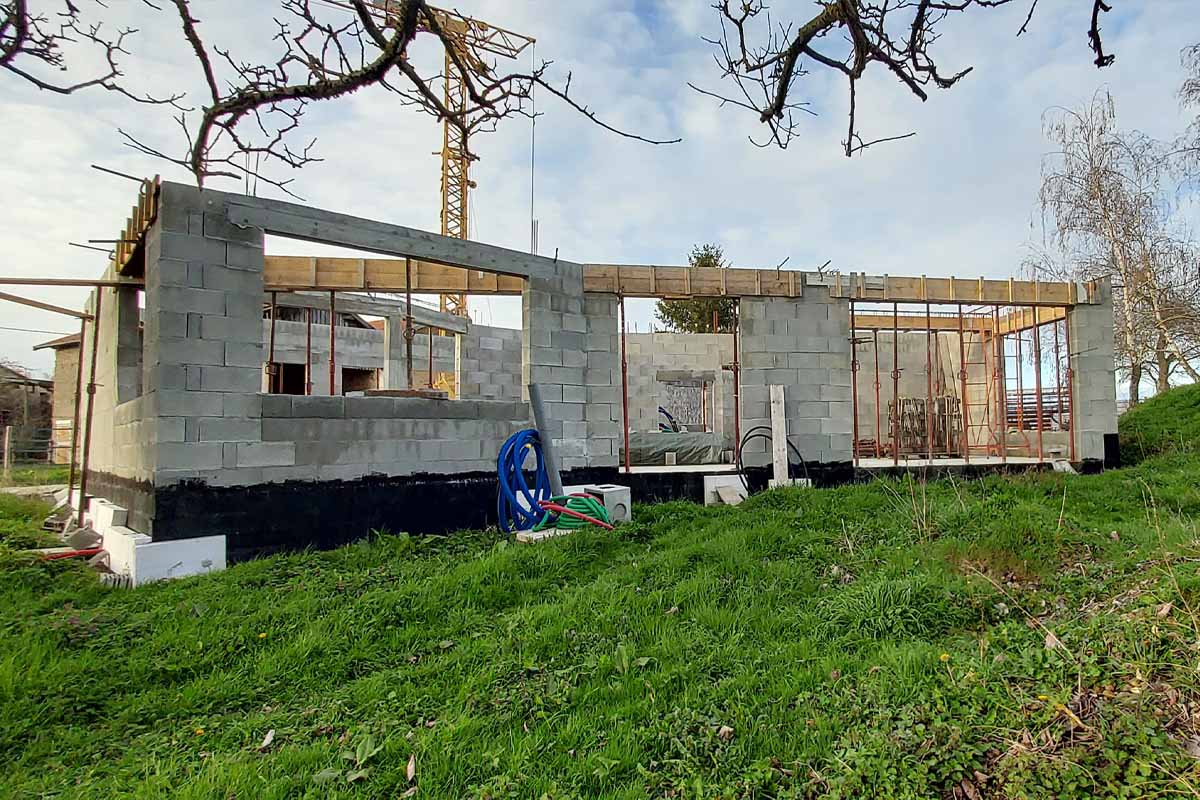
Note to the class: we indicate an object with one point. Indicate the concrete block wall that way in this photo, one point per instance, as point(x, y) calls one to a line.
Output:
point(653, 353)
point(203, 352)
point(802, 344)
point(487, 361)
point(602, 381)
point(122, 432)
point(344, 438)
point(553, 354)
point(1094, 375)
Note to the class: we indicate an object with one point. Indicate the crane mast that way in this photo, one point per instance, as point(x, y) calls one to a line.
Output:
point(470, 38)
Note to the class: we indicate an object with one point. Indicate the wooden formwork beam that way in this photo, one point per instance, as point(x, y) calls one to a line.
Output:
point(388, 274)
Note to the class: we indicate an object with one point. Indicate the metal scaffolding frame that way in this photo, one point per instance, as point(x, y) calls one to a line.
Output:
point(988, 409)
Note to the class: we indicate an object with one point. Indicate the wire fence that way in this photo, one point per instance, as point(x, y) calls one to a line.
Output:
point(25, 446)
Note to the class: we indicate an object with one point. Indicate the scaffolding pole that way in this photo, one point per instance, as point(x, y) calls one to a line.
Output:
point(625, 384)
point(78, 401)
point(332, 347)
point(1070, 381)
point(854, 383)
point(1037, 380)
point(894, 411)
point(878, 436)
point(308, 351)
point(91, 403)
point(928, 383)
point(964, 412)
point(999, 384)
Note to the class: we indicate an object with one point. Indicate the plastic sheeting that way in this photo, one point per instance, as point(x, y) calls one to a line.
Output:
point(649, 449)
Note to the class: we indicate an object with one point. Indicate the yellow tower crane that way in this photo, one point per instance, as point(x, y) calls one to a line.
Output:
point(470, 37)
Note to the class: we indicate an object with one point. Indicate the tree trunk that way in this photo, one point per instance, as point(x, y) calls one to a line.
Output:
point(1135, 382)
point(1163, 361)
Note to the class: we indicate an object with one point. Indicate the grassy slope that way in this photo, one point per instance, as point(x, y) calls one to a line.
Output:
point(1166, 422)
point(868, 640)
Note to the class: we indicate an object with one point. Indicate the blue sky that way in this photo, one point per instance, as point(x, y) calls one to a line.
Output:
point(959, 198)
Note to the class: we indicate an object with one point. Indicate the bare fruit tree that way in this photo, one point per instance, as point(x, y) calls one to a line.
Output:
point(250, 118)
point(765, 58)
point(1107, 200)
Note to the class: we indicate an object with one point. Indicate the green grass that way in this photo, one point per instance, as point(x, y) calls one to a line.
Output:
point(1166, 422)
point(882, 640)
point(37, 475)
point(21, 523)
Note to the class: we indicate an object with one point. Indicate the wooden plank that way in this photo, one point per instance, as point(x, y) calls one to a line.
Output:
point(25, 301)
point(638, 280)
point(779, 451)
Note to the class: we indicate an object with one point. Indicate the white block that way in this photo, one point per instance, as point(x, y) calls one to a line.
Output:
point(712, 482)
point(617, 501)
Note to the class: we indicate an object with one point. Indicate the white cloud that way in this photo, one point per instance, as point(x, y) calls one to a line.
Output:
point(956, 199)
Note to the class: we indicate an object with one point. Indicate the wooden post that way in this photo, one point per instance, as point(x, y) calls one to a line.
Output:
point(548, 455)
point(7, 452)
point(779, 459)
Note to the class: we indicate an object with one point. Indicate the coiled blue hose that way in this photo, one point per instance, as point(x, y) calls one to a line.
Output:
point(514, 488)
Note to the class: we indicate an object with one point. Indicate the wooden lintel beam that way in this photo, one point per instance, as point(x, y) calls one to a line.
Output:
point(637, 280)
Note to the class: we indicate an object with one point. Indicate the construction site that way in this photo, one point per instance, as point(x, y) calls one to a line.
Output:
point(756, 473)
point(221, 416)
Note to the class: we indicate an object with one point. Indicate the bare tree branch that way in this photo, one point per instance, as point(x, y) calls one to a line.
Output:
point(765, 58)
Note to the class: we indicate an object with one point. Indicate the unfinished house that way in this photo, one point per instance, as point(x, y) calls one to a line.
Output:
point(229, 418)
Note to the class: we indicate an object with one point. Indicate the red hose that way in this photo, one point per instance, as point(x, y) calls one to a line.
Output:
point(73, 554)
point(570, 512)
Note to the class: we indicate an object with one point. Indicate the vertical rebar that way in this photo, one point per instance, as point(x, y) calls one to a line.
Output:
point(430, 381)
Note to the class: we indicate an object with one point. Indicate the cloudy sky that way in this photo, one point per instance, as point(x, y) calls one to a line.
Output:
point(959, 198)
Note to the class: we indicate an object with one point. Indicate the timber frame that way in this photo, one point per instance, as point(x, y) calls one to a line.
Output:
point(284, 272)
